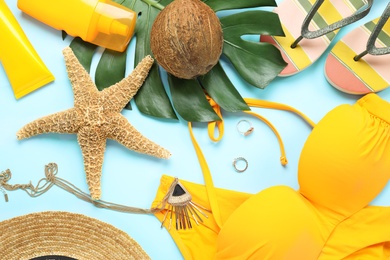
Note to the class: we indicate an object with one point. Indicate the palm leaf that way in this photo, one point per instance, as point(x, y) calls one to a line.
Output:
point(219, 5)
point(258, 63)
point(222, 91)
point(188, 96)
point(248, 57)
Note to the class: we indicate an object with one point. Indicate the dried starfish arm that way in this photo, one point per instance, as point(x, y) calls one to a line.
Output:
point(81, 81)
point(64, 122)
point(96, 116)
point(93, 145)
point(120, 94)
point(120, 130)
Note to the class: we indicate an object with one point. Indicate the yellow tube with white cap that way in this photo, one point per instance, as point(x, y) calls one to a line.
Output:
point(24, 68)
point(101, 22)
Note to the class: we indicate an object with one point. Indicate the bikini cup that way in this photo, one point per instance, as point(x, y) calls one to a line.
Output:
point(344, 165)
point(345, 162)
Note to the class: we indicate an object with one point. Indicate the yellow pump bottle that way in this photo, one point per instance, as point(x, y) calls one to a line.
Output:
point(101, 22)
point(24, 68)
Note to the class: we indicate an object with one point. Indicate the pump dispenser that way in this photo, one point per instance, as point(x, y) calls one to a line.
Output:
point(101, 22)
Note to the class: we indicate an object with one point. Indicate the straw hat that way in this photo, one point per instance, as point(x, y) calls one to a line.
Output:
point(57, 233)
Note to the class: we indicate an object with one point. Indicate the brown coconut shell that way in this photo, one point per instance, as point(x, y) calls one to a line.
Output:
point(186, 38)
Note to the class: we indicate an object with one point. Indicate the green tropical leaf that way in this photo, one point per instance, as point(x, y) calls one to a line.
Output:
point(63, 34)
point(258, 63)
point(188, 96)
point(222, 90)
point(113, 63)
point(151, 99)
point(218, 5)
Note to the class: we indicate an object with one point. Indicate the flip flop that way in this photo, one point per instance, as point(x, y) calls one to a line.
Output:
point(358, 63)
point(310, 26)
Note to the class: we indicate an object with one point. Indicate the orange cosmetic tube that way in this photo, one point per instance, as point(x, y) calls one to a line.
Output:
point(101, 22)
point(24, 68)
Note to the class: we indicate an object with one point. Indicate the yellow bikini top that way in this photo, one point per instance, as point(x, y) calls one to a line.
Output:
point(343, 166)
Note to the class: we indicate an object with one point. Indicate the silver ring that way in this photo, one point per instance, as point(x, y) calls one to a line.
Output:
point(238, 159)
point(240, 127)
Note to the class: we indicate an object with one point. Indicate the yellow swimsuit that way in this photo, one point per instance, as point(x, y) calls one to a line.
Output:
point(344, 165)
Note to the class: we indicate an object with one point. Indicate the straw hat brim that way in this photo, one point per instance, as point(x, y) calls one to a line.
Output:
point(67, 234)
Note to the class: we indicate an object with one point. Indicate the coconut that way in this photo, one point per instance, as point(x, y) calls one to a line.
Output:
point(186, 38)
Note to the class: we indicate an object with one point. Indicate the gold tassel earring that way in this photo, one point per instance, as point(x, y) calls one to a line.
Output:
point(181, 208)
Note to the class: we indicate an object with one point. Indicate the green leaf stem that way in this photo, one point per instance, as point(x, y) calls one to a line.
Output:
point(258, 63)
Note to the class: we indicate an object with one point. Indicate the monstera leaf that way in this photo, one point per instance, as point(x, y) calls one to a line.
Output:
point(256, 62)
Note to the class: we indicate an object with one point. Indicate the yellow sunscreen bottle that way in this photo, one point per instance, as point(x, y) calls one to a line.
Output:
point(24, 68)
point(101, 22)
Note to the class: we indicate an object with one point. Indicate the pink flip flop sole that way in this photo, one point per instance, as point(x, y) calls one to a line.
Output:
point(341, 76)
point(369, 74)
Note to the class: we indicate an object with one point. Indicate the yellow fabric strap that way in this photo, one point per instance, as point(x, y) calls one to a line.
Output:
point(219, 124)
point(274, 105)
point(283, 159)
point(261, 104)
point(207, 179)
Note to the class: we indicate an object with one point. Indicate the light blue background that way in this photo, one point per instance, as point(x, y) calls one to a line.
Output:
point(132, 179)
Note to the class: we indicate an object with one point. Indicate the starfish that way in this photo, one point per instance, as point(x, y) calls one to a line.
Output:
point(96, 117)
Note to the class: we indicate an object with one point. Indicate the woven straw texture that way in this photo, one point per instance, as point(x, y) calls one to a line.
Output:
point(66, 234)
